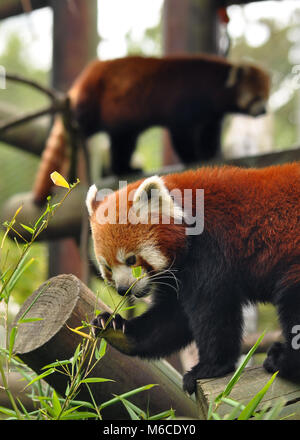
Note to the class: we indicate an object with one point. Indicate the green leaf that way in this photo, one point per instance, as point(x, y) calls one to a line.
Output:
point(99, 353)
point(125, 395)
point(133, 415)
point(12, 339)
point(96, 379)
point(136, 271)
point(28, 228)
point(254, 402)
point(56, 364)
point(41, 376)
point(80, 415)
point(163, 415)
point(21, 268)
point(235, 378)
point(56, 404)
point(24, 321)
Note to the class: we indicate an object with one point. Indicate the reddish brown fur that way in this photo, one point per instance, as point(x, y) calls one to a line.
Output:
point(249, 210)
point(125, 96)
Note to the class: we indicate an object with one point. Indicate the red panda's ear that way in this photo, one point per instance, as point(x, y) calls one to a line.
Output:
point(153, 196)
point(91, 201)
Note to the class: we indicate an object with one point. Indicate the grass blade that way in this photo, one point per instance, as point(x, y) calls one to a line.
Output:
point(235, 378)
point(254, 402)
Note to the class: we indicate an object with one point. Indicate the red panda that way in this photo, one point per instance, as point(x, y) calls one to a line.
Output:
point(188, 95)
point(246, 251)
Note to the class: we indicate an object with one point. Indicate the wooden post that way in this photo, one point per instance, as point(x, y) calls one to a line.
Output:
point(65, 301)
point(189, 26)
point(75, 40)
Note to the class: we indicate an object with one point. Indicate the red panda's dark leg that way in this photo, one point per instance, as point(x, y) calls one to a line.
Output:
point(207, 138)
point(122, 145)
point(285, 357)
point(184, 142)
point(217, 328)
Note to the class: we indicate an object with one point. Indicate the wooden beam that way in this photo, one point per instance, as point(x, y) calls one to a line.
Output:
point(9, 8)
point(65, 301)
point(67, 220)
point(30, 136)
point(252, 380)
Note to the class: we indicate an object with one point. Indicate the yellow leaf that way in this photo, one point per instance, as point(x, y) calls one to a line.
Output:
point(59, 180)
point(84, 335)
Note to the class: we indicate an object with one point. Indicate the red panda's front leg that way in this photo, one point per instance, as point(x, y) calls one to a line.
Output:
point(157, 333)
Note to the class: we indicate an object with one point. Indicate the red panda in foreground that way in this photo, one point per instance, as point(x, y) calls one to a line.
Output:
point(247, 251)
point(188, 95)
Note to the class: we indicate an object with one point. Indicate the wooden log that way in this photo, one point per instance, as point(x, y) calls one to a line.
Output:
point(252, 380)
point(65, 301)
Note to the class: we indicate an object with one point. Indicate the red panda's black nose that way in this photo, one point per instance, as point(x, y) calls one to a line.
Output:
point(122, 290)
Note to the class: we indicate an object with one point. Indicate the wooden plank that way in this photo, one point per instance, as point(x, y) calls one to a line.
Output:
point(252, 380)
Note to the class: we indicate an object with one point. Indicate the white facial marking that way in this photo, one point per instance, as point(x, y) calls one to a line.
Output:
point(122, 276)
point(121, 255)
point(153, 256)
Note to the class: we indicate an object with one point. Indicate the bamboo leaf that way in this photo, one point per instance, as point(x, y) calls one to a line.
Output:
point(27, 228)
point(96, 379)
point(41, 376)
point(12, 339)
point(254, 402)
point(235, 378)
point(136, 271)
point(26, 320)
point(56, 404)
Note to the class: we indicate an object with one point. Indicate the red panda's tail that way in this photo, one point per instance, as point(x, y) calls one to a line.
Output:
point(52, 159)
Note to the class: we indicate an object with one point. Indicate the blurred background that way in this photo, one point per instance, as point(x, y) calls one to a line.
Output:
point(35, 37)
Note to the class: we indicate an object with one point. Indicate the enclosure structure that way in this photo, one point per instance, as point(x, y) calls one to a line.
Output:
point(188, 26)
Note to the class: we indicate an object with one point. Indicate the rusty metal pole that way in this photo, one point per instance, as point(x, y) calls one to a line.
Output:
point(75, 41)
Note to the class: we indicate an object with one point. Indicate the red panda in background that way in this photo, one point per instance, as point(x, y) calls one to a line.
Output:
point(189, 95)
point(248, 252)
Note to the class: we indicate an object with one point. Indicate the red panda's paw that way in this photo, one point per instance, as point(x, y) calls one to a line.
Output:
point(105, 321)
point(275, 358)
point(204, 371)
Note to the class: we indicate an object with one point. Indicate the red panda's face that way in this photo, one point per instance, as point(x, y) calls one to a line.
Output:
point(128, 232)
point(252, 87)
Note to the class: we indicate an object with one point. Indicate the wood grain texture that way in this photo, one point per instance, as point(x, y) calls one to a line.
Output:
point(252, 380)
point(65, 301)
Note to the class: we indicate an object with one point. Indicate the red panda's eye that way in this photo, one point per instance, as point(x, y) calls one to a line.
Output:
point(130, 261)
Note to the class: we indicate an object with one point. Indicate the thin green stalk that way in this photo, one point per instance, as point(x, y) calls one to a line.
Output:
point(9, 394)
